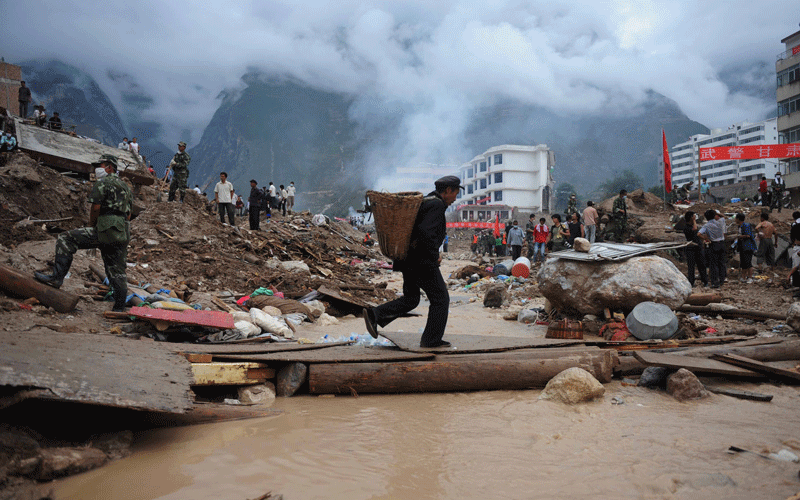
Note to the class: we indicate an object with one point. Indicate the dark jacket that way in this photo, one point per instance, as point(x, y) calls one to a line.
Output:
point(255, 197)
point(24, 94)
point(429, 231)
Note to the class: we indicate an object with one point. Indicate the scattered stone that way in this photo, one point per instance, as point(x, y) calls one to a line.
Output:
point(683, 385)
point(528, 316)
point(290, 378)
point(115, 445)
point(573, 385)
point(512, 313)
point(294, 266)
point(582, 245)
point(590, 287)
point(261, 394)
point(151, 243)
point(495, 295)
point(59, 462)
point(654, 376)
point(326, 320)
point(793, 318)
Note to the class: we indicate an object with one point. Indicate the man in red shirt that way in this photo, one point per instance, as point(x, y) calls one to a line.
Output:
point(540, 234)
point(763, 192)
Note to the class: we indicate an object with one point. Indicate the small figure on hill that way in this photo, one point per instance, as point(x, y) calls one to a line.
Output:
point(368, 241)
point(704, 188)
point(516, 237)
point(272, 192)
point(590, 219)
point(24, 99)
point(39, 115)
point(778, 186)
point(572, 205)
point(197, 189)
point(180, 168)
point(133, 146)
point(223, 197)
point(619, 213)
point(290, 190)
point(55, 122)
point(109, 230)
point(124, 144)
point(255, 201)
point(284, 195)
point(421, 268)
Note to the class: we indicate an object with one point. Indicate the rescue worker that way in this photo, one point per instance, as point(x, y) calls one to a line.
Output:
point(421, 269)
point(620, 214)
point(368, 241)
point(109, 230)
point(572, 206)
point(180, 172)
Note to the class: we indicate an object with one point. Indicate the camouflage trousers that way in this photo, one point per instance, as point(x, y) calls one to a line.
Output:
point(179, 178)
point(620, 226)
point(114, 256)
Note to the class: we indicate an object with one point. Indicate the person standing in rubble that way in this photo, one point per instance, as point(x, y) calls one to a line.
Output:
point(713, 234)
point(180, 172)
point(572, 206)
point(778, 186)
point(24, 99)
point(421, 268)
point(290, 190)
point(620, 214)
point(694, 254)
point(109, 230)
point(254, 201)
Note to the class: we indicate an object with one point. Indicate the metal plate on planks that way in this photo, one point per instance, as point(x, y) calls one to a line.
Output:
point(211, 319)
point(462, 344)
point(339, 354)
point(97, 369)
point(615, 251)
point(265, 347)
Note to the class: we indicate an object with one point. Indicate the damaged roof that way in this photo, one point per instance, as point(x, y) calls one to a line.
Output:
point(616, 251)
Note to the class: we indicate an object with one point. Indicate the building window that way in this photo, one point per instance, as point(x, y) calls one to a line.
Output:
point(498, 196)
point(483, 166)
point(498, 177)
point(469, 173)
point(498, 159)
point(483, 183)
point(469, 189)
point(504, 214)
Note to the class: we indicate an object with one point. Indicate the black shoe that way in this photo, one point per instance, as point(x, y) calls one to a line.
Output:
point(440, 343)
point(48, 279)
point(372, 325)
point(117, 309)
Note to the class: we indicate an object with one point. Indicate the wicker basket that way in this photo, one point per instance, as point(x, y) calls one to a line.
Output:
point(395, 214)
point(565, 329)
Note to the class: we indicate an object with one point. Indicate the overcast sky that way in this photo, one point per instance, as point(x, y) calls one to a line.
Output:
point(442, 57)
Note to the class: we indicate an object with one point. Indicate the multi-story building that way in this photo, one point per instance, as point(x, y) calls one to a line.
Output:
point(722, 172)
point(505, 180)
point(787, 69)
point(10, 76)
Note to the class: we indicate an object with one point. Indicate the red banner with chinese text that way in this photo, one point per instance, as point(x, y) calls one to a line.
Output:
point(750, 152)
point(667, 164)
point(796, 50)
point(478, 225)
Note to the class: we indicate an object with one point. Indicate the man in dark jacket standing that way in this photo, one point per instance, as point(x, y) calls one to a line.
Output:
point(24, 99)
point(421, 269)
point(254, 209)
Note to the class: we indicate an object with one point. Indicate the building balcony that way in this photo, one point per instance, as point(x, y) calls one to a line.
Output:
point(786, 91)
point(791, 120)
point(786, 59)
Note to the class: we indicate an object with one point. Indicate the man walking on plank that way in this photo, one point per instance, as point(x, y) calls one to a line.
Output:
point(421, 268)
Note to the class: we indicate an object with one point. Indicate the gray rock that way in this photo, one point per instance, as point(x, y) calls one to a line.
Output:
point(793, 318)
point(115, 445)
point(495, 295)
point(261, 394)
point(582, 245)
point(290, 378)
point(654, 376)
point(528, 316)
point(59, 462)
point(294, 266)
point(590, 287)
point(684, 385)
point(573, 385)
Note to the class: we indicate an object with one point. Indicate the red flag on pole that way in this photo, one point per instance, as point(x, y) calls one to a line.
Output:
point(497, 225)
point(667, 165)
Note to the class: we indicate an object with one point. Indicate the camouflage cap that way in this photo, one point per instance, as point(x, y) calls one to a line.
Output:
point(182, 144)
point(108, 159)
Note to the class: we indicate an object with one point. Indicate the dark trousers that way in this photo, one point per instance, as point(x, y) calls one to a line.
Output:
point(716, 263)
point(426, 276)
point(516, 251)
point(255, 217)
point(694, 258)
point(23, 109)
point(226, 208)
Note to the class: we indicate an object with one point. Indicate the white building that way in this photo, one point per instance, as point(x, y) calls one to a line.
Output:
point(504, 179)
point(720, 173)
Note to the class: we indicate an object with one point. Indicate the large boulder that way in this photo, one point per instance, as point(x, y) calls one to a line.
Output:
point(573, 385)
point(495, 295)
point(590, 287)
point(684, 385)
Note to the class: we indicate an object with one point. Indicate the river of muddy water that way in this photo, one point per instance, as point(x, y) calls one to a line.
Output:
point(484, 445)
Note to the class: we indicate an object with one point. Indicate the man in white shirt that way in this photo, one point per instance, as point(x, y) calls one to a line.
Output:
point(134, 146)
point(272, 192)
point(223, 197)
point(290, 197)
point(197, 189)
point(124, 144)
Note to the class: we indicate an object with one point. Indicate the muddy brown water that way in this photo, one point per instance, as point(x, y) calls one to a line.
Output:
point(469, 445)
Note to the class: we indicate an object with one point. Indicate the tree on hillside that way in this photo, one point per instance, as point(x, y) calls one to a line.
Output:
point(658, 191)
point(626, 180)
point(563, 191)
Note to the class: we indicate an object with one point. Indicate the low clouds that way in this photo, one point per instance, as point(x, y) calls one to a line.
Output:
point(435, 61)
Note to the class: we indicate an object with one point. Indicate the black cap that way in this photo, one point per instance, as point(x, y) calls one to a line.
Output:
point(448, 181)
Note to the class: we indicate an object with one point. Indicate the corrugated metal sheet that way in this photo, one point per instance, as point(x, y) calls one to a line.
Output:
point(616, 251)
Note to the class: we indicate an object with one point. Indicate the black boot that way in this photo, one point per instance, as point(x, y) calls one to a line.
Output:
point(120, 288)
point(60, 269)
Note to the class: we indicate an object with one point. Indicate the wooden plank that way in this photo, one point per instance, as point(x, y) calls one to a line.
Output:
point(20, 285)
point(211, 319)
point(462, 344)
point(193, 357)
point(348, 299)
point(97, 369)
point(205, 413)
point(338, 354)
point(220, 373)
point(735, 393)
point(449, 374)
point(758, 366)
point(694, 365)
point(265, 347)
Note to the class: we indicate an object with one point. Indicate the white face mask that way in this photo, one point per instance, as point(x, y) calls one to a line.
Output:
point(99, 173)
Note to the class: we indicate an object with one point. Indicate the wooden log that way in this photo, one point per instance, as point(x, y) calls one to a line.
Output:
point(757, 366)
point(20, 285)
point(98, 271)
point(733, 313)
point(694, 365)
point(747, 331)
point(735, 393)
point(703, 299)
point(474, 373)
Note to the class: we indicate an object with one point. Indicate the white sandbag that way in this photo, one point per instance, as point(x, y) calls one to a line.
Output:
point(246, 328)
point(327, 320)
point(241, 316)
point(270, 324)
point(316, 307)
point(295, 318)
point(271, 310)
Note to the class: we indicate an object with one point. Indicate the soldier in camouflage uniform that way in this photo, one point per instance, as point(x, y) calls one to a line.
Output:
point(572, 206)
point(620, 214)
point(109, 231)
point(180, 171)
